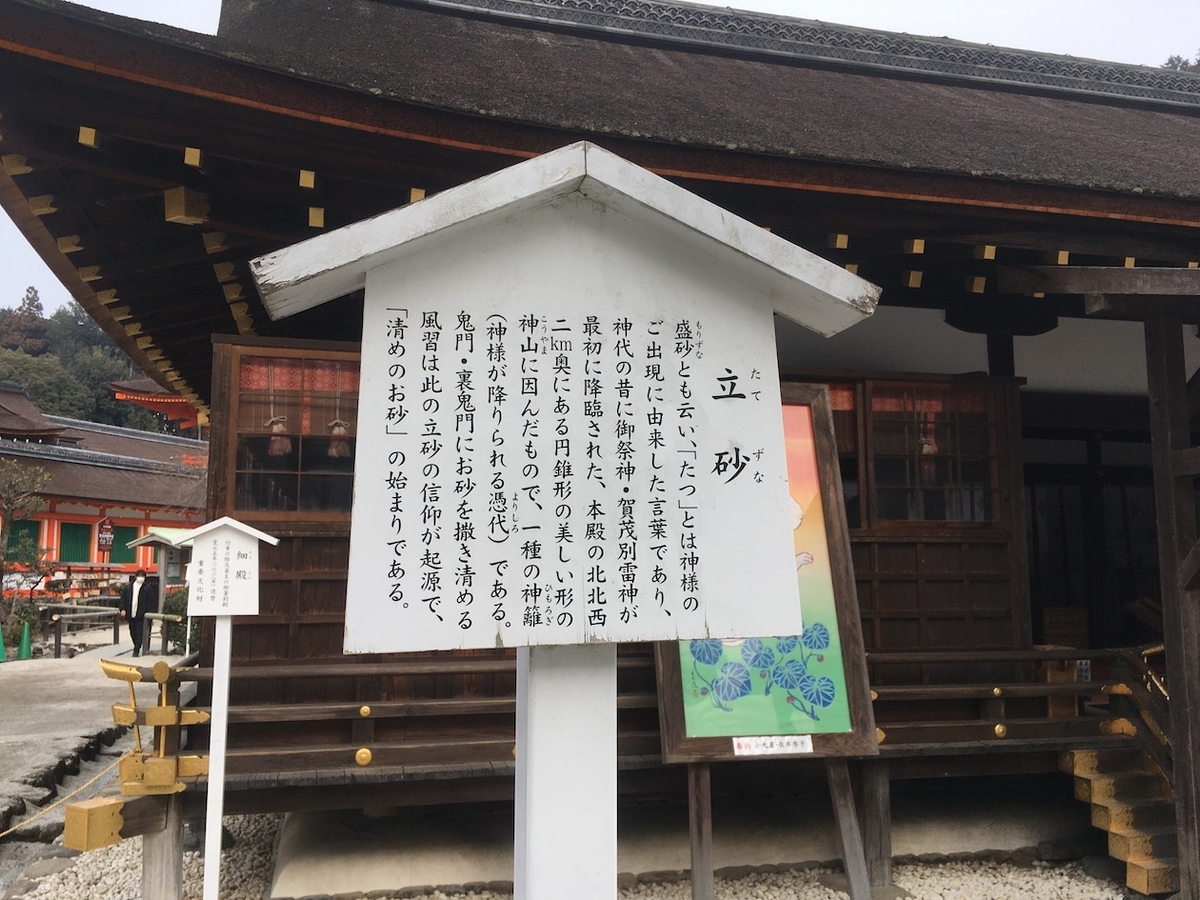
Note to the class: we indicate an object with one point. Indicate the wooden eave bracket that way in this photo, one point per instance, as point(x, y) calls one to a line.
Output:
point(1189, 569)
point(1106, 281)
point(818, 294)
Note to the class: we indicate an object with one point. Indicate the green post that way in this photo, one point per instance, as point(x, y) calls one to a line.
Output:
point(3, 652)
point(25, 651)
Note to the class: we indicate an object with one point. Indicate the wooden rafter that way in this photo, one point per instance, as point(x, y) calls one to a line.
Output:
point(1105, 280)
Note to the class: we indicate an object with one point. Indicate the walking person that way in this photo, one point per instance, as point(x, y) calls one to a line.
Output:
point(137, 599)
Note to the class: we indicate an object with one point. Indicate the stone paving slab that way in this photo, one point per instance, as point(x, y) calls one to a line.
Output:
point(53, 714)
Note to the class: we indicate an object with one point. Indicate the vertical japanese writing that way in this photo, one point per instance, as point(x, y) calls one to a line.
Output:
point(464, 469)
point(549, 474)
point(227, 561)
point(431, 459)
point(499, 524)
point(395, 474)
point(687, 352)
point(243, 572)
point(729, 464)
point(594, 488)
point(562, 370)
point(214, 572)
point(531, 332)
point(656, 487)
point(627, 464)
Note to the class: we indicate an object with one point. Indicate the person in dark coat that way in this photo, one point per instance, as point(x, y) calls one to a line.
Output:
point(138, 597)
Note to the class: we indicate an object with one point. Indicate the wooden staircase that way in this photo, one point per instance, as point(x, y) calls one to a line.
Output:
point(1132, 801)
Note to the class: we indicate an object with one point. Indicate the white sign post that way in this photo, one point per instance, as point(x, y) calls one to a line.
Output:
point(222, 583)
point(569, 436)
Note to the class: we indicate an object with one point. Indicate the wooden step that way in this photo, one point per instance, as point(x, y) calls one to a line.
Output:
point(1126, 815)
point(1119, 786)
point(1098, 761)
point(1152, 876)
point(1159, 841)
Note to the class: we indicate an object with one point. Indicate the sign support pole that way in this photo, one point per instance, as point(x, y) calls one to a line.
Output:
point(222, 582)
point(566, 782)
point(218, 724)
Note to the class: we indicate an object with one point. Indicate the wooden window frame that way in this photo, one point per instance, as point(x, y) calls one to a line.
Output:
point(225, 440)
point(869, 441)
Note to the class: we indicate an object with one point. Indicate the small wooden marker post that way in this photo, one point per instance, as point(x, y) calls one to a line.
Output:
point(222, 582)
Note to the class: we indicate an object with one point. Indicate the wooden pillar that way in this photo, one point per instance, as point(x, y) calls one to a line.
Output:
point(1098, 592)
point(700, 830)
point(162, 851)
point(1175, 511)
point(841, 791)
point(876, 783)
point(162, 856)
point(1001, 356)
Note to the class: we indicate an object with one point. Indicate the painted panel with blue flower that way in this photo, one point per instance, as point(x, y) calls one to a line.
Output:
point(778, 685)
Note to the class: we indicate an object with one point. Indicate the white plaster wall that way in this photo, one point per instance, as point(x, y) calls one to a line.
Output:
point(1092, 356)
point(894, 339)
point(1088, 356)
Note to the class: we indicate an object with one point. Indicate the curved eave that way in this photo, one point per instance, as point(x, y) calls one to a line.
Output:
point(45, 245)
point(373, 152)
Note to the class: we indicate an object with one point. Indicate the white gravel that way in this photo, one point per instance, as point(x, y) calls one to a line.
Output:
point(114, 873)
point(947, 881)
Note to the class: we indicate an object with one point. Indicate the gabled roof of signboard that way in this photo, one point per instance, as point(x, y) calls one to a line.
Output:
point(809, 290)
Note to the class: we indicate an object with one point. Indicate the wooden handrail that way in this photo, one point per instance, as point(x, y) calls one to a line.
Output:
point(989, 716)
point(1145, 702)
point(997, 690)
point(924, 657)
point(447, 666)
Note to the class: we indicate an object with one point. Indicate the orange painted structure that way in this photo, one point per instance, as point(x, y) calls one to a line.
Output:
point(135, 480)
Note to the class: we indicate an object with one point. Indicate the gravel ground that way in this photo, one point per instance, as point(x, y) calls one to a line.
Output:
point(114, 873)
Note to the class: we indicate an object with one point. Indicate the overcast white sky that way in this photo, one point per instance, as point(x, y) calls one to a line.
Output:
point(1143, 33)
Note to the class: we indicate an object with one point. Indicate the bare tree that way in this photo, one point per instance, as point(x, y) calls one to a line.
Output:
point(1182, 63)
point(19, 500)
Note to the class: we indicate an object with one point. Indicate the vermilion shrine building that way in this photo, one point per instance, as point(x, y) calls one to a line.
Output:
point(136, 481)
point(1032, 220)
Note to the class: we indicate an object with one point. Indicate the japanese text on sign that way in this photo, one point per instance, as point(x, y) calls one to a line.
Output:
point(554, 477)
point(223, 575)
point(770, 745)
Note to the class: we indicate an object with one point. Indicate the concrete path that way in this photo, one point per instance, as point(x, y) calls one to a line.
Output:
point(55, 712)
point(1025, 819)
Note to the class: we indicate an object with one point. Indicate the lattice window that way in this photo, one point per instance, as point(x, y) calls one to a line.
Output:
point(295, 433)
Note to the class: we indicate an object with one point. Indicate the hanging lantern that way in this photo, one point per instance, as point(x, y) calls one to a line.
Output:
point(279, 444)
point(339, 444)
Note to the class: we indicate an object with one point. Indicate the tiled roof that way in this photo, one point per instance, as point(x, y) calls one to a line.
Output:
point(20, 419)
point(723, 28)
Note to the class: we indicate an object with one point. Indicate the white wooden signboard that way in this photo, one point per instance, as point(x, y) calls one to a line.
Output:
point(574, 438)
point(566, 463)
point(569, 433)
point(223, 574)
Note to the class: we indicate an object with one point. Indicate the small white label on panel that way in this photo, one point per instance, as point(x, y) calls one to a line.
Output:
point(769, 745)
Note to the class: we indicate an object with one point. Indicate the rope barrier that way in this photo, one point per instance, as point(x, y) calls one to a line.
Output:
point(60, 801)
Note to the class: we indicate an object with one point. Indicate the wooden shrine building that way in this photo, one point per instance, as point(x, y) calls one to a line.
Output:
point(1013, 424)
